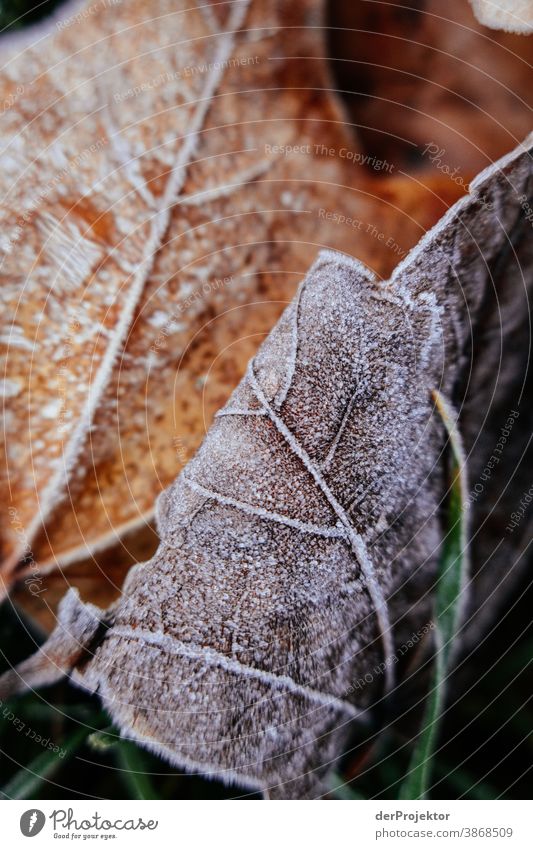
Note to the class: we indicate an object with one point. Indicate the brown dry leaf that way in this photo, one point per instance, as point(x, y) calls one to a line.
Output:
point(299, 548)
point(153, 228)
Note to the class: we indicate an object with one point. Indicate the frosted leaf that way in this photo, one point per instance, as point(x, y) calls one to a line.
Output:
point(147, 241)
point(299, 548)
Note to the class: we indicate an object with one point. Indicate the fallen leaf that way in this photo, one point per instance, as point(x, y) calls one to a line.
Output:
point(168, 179)
point(299, 548)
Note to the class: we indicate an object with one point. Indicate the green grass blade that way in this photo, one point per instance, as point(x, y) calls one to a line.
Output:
point(448, 609)
point(134, 771)
point(27, 781)
point(416, 783)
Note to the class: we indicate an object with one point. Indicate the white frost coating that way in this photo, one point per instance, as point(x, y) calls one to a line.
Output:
point(50, 411)
point(509, 15)
point(10, 388)
point(284, 390)
point(434, 336)
point(74, 254)
point(235, 411)
point(331, 453)
point(55, 488)
point(192, 765)
point(229, 589)
point(403, 282)
point(282, 683)
point(303, 527)
point(129, 163)
point(76, 626)
point(341, 259)
point(428, 239)
point(16, 340)
point(356, 540)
